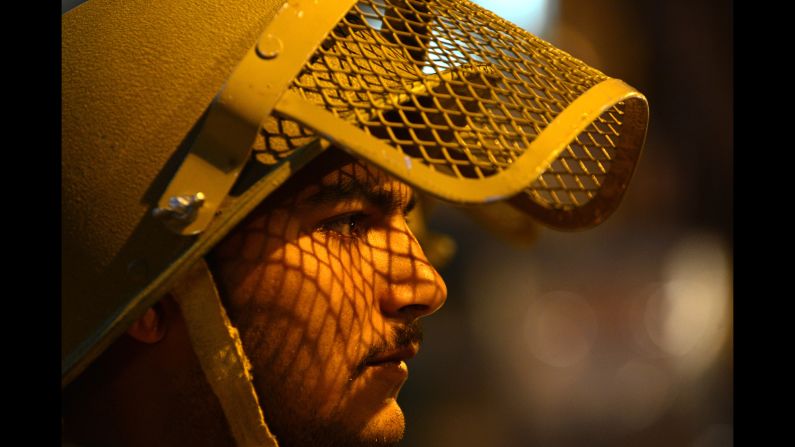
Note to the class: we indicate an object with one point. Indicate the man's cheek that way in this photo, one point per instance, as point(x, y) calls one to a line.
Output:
point(348, 292)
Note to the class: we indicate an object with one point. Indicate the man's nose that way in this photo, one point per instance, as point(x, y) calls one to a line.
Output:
point(414, 287)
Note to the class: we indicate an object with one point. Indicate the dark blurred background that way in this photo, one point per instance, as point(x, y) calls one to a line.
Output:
point(620, 335)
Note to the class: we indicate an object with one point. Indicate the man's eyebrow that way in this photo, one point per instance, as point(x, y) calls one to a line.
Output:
point(350, 188)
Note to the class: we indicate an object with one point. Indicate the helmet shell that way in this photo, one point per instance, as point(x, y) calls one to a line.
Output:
point(136, 78)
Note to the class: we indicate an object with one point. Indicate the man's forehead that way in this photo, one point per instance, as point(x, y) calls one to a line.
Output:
point(335, 169)
point(359, 172)
point(356, 179)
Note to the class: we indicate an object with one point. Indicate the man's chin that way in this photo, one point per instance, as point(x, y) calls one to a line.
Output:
point(383, 428)
point(386, 427)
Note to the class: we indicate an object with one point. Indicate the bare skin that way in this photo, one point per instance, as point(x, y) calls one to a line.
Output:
point(325, 283)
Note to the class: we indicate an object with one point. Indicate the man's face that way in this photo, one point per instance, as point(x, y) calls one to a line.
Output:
point(325, 285)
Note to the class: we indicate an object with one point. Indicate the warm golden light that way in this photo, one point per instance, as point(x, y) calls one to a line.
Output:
point(688, 318)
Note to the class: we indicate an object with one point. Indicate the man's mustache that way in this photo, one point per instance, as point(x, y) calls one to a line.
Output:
point(403, 337)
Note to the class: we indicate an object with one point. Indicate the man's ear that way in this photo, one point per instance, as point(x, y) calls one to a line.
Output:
point(150, 327)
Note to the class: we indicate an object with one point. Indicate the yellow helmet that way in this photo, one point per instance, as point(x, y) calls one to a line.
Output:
point(179, 117)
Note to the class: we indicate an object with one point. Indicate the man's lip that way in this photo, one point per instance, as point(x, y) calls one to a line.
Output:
point(396, 355)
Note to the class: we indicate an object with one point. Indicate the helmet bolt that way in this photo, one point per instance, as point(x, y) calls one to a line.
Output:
point(181, 210)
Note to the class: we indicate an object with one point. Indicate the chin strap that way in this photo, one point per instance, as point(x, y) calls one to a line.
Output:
point(219, 349)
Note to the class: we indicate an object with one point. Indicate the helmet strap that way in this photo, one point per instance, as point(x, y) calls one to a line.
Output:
point(217, 344)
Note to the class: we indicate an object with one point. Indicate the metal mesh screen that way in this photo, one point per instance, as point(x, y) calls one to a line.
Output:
point(578, 174)
point(462, 91)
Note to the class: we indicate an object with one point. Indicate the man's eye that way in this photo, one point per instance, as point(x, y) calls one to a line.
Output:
point(348, 225)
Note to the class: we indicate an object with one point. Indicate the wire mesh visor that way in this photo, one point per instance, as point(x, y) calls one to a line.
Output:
point(470, 108)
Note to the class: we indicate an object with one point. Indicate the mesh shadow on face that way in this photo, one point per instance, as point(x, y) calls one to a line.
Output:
point(321, 283)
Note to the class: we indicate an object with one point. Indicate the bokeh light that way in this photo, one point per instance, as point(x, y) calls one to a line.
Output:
point(560, 328)
point(688, 317)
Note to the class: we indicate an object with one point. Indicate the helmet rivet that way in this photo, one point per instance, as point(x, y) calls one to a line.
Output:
point(181, 210)
point(269, 46)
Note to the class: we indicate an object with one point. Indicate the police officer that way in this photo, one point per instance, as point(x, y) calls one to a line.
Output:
point(236, 181)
